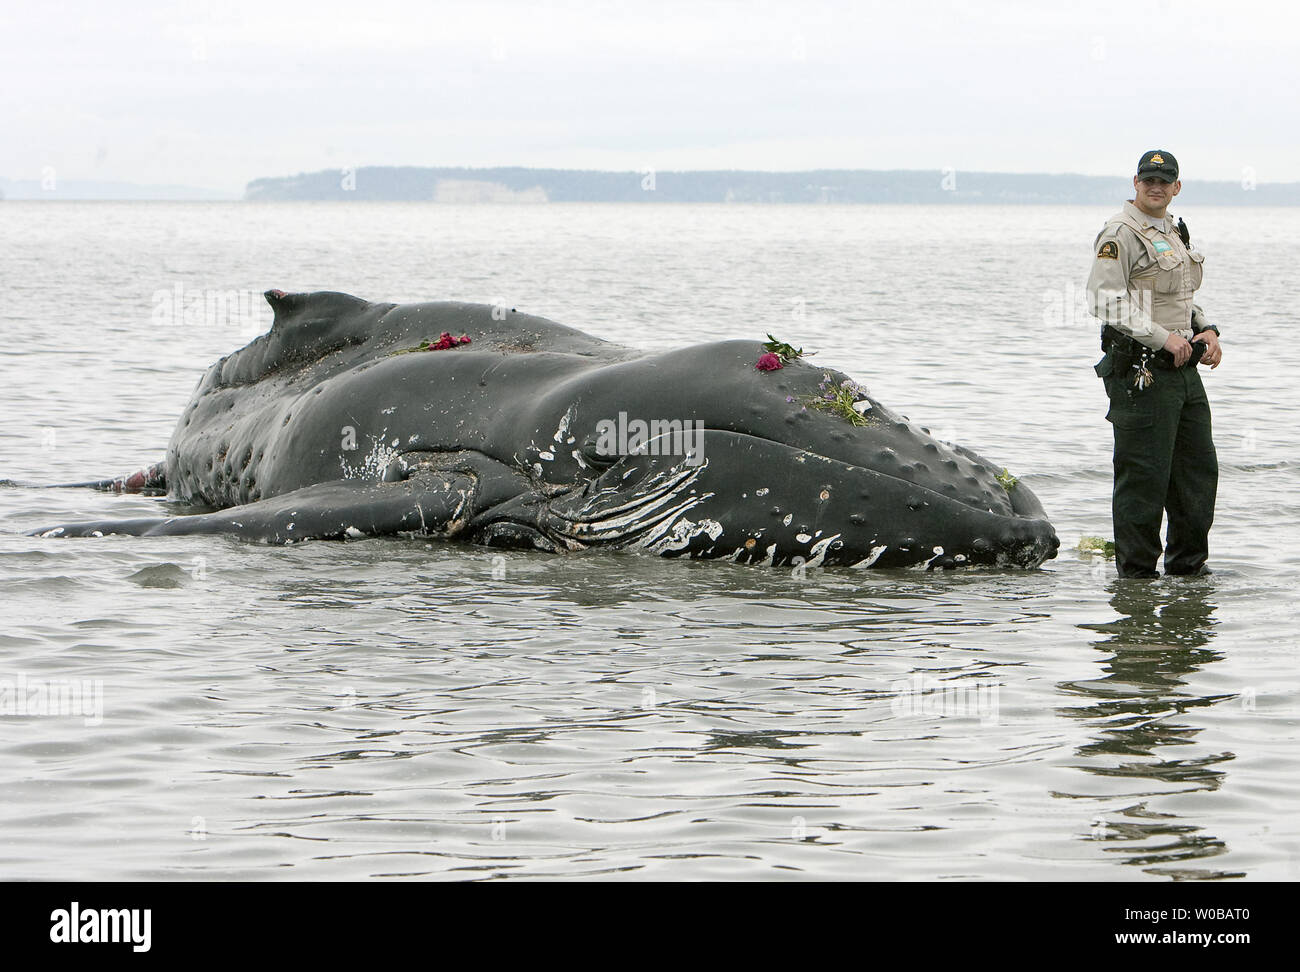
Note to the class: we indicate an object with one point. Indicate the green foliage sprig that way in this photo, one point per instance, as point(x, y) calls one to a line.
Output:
point(785, 352)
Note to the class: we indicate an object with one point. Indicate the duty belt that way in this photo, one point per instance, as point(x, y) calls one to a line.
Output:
point(1118, 343)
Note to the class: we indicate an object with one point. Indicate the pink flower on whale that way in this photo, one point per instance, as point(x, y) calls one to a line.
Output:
point(446, 341)
point(769, 362)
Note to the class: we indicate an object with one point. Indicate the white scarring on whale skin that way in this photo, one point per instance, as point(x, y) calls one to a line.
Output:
point(666, 484)
point(817, 555)
point(665, 527)
point(374, 463)
point(562, 432)
point(615, 528)
point(683, 532)
point(871, 558)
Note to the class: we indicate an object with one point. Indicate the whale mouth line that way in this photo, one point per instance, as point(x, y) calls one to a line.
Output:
point(805, 455)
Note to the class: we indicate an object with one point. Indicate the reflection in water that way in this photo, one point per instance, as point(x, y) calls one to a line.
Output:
point(1139, 707)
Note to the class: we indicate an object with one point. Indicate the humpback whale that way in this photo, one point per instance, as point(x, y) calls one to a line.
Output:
point(477, 423)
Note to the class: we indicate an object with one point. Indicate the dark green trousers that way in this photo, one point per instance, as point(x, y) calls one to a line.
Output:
point(1164, 463)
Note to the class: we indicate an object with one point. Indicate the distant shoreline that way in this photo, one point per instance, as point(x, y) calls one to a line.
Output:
point(525, 186)
point(518, 186)
point(1182, 205)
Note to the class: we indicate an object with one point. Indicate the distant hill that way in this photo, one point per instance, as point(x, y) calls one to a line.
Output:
point(521, 185)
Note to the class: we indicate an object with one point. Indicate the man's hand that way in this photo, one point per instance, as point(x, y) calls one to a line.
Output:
point(1177, 345)
point(1213, 353)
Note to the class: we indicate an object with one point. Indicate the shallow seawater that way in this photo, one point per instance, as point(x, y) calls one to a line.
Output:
point(399, 709)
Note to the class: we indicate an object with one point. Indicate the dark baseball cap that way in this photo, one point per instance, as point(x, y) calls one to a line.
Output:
point(1158, 164)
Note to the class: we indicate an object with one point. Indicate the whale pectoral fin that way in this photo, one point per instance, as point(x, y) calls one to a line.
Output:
point(436, 503)
point(150, 482)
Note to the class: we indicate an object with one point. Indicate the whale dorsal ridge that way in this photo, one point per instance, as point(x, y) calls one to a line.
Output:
point(295, 311)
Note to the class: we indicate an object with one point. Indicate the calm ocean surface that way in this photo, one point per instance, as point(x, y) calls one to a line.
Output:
point(403, 709)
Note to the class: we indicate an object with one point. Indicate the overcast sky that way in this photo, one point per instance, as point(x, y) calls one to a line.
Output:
point(216, 94)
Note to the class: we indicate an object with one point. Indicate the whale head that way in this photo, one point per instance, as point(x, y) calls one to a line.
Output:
point(699, 453)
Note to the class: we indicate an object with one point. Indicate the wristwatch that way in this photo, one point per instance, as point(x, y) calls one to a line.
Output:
point(1208, 327)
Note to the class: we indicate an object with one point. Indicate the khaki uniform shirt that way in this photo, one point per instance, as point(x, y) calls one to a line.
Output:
point(1143, 279)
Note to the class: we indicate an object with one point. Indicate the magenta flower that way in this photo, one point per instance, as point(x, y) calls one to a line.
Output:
point(769, 362)
point(446, 341)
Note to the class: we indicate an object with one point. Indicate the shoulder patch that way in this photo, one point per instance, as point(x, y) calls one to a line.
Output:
point(1109, 251)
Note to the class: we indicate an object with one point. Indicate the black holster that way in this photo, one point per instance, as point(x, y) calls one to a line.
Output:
point(1127, 352)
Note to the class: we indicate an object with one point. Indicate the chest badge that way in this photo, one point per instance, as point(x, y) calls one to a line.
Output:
point(1162, 247)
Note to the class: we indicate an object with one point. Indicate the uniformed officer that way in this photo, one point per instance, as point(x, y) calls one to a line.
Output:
point(1144, 274)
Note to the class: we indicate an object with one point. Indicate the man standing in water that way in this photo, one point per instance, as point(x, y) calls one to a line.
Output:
point(1144, 274)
